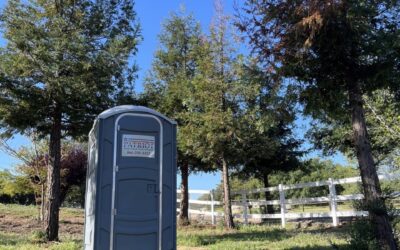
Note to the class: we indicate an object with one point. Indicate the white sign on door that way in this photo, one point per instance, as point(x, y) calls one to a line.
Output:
point(138, 146)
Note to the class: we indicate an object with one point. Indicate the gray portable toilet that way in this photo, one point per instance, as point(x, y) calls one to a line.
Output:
point(132, 154)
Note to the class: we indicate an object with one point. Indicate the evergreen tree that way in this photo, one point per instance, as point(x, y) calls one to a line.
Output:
point(382, 113)
point(216, 104)
point(268, 141)
point(174, 67)
point(64, 62)
point(336, 51)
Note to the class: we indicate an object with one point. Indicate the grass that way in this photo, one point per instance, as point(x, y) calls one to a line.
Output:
point(261, 237)
point(18, 210)
point(320, 208)
point(12, 241)
point(20, 230)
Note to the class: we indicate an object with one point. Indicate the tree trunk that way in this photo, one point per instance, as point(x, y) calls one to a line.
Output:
point(82, 192)
point(371, 186)
point(227, 193)
point(42, 201)
point(268, 196)
point(63, 192)
point(184, 205)
point(53, 179)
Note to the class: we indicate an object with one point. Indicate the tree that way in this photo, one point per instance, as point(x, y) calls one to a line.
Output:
point(64, 62)
point(273, 154)
point(268, 142)
point(174, 67)
point(33, 167)
point(215, 106)
point(15, 189)
point(73, 169)
point(382, 117)
point(312, 170)
point(335, 51)
point(35, 160)
point(35, 163)
point(237, 184)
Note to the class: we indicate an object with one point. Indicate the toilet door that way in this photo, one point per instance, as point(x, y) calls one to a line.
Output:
point(137, 197)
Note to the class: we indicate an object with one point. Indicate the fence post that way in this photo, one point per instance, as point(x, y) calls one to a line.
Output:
point(212, 207)
point(244, 204)
point(332, 201)
point(282, 204)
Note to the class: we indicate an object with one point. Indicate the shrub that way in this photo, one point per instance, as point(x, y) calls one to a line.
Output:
point(362, 235)
point(38, 236)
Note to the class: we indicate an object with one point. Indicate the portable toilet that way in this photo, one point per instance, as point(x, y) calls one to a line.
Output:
point(131, 181)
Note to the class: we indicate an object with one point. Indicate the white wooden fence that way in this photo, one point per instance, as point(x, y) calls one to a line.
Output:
point(244, 202)
point(212, 203)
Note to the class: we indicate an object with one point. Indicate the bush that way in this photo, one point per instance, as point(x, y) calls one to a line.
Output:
point(362, 235)
point(363, 231)
point(38, 237)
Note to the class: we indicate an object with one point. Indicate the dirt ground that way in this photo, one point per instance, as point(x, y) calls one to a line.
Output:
point(26, 222)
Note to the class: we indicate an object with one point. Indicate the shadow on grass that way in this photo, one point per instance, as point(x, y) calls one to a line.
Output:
point(339, 247)
point(271, 235)
point(340, 231)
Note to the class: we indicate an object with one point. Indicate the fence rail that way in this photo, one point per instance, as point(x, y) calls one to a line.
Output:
point(212, 204)
point(332, 199)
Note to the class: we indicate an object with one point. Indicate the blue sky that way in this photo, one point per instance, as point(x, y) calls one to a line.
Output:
point(151, 15)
